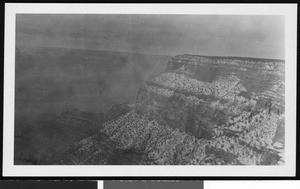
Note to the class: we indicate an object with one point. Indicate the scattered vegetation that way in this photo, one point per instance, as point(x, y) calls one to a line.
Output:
point(179, 119)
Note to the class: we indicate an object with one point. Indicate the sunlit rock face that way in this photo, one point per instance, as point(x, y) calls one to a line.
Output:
point(199, 111)
point(196, 94)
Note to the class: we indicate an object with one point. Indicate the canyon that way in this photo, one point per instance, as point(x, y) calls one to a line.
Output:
point(200, 110)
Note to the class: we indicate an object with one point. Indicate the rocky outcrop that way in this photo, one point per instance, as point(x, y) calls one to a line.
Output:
point(181, 99)
point(201, 110)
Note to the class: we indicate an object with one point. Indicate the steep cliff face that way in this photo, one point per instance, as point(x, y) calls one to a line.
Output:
point(200, 110)
point(196, 94)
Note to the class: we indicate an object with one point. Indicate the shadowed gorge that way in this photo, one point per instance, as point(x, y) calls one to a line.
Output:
point(53, 81)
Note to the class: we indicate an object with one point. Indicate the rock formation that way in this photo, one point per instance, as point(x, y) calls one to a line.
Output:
point(200, 110)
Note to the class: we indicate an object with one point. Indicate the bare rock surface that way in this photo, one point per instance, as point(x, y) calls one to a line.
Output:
point(200, 110)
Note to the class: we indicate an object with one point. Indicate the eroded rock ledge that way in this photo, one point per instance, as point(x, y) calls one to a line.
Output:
point(201, 110)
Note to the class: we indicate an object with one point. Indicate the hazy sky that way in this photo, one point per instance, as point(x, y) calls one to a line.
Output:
point(250, 36)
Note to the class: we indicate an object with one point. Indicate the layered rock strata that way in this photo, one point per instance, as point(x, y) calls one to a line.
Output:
point(201, 110)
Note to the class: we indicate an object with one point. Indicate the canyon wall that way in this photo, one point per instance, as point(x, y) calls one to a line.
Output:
point(200, 110)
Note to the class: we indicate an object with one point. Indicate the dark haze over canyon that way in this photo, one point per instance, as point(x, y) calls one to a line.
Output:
point(91, 62)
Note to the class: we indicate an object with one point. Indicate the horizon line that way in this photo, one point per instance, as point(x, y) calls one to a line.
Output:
point(128, 52)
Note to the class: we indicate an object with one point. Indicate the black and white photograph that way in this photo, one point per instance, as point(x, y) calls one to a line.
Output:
point(134, 89)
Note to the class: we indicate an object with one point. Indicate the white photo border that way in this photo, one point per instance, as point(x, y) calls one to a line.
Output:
point(287, 10)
